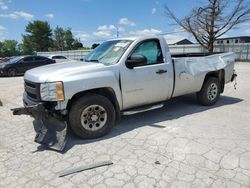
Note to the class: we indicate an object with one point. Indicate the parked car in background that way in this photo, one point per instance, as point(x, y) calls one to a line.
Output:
point(59, 58)
point(19, 65)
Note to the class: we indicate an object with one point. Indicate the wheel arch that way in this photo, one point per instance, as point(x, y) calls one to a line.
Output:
point(107, 92)
point(220, 74)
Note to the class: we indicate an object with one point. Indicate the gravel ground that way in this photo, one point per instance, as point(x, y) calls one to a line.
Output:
point(181, 145)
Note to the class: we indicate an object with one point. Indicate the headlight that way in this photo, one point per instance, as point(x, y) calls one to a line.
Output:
point(2, 66)
point(52, 91)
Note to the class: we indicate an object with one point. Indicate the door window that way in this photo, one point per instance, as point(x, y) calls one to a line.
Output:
point(28, 59)
point(39, 59)
point(151, 50)
point(59, 57)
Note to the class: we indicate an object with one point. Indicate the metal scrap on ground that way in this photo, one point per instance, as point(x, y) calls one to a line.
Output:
point(83, 168)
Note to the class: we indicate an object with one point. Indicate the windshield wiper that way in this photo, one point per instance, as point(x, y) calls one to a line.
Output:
point(92, 60)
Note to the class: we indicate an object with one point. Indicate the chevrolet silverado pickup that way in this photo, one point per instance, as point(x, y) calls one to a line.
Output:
point(120, 77)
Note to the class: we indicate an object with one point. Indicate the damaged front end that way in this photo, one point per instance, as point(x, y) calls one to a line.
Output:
point(51, 128)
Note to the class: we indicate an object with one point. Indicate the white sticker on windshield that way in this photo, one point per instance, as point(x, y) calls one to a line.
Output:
point(122, 44)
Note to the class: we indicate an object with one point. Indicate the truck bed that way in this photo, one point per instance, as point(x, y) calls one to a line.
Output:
point(191, 69)
point(178, 55)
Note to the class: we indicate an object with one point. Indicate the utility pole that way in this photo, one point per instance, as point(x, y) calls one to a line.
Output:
point(117, 32)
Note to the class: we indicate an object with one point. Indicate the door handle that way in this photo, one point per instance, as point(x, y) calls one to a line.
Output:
point(161, 71)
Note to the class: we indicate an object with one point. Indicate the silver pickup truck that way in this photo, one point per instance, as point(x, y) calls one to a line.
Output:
point(120, 77)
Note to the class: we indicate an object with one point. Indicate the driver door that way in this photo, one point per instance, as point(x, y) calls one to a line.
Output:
point(148, 83)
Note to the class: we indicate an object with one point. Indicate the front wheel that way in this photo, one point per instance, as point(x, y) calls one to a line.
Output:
point(92, 116)
point(210, 92)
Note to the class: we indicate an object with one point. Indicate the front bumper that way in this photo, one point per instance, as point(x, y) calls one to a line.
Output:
point(51, 129)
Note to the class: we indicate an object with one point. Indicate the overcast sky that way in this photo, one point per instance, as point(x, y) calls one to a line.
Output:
point(98, 20)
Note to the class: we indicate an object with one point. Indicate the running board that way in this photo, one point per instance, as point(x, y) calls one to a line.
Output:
point(142, 109)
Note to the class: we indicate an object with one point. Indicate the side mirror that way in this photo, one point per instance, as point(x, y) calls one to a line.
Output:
point(21, 61)
point(136, 61)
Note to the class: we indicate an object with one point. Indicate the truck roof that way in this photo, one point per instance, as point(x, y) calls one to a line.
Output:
point(138, 38)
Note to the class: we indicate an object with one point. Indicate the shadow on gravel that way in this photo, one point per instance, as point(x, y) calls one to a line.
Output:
point(173, 109)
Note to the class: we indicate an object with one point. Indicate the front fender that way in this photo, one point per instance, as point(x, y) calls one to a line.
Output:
point(90, 81)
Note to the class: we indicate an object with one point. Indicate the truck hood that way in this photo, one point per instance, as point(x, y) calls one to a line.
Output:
point(61, 71)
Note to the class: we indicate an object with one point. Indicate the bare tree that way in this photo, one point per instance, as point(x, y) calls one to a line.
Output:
point(213, 20)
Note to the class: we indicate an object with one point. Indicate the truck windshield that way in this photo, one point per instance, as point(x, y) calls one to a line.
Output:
point(108, 52)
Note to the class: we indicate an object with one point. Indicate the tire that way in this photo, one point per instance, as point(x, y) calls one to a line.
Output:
point(92, 116)
point(210, 92)
point(11, 72)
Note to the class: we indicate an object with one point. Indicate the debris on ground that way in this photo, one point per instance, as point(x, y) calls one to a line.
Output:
point(83, 168)
point(157, 162)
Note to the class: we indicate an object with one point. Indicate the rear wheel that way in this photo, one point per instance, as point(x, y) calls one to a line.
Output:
point(92, 116)
point(11, 72)
point(210, 92)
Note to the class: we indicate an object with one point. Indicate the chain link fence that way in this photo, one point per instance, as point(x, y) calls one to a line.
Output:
point(71, 54)
point(242, 51)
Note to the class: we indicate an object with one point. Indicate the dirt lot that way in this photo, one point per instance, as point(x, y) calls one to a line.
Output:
point(180, 145)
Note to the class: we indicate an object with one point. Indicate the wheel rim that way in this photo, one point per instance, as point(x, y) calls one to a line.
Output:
point(94, 117)
point(212, 91)
point(12, 72)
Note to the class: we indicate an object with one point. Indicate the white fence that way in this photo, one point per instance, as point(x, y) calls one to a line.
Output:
point(242, 51)
point(71, 54)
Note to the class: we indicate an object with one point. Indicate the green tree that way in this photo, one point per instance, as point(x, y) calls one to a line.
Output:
point(8, 48)
point(63, 39)
point(38, 37)
point(77, 44)
point(69, 39)
point(59, 38)
point(1, 46)
point(26, 46)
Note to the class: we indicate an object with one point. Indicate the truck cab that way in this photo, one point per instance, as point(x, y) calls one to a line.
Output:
point(121, 76)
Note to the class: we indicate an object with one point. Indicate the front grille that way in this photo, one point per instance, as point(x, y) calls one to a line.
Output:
point(32, 90)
